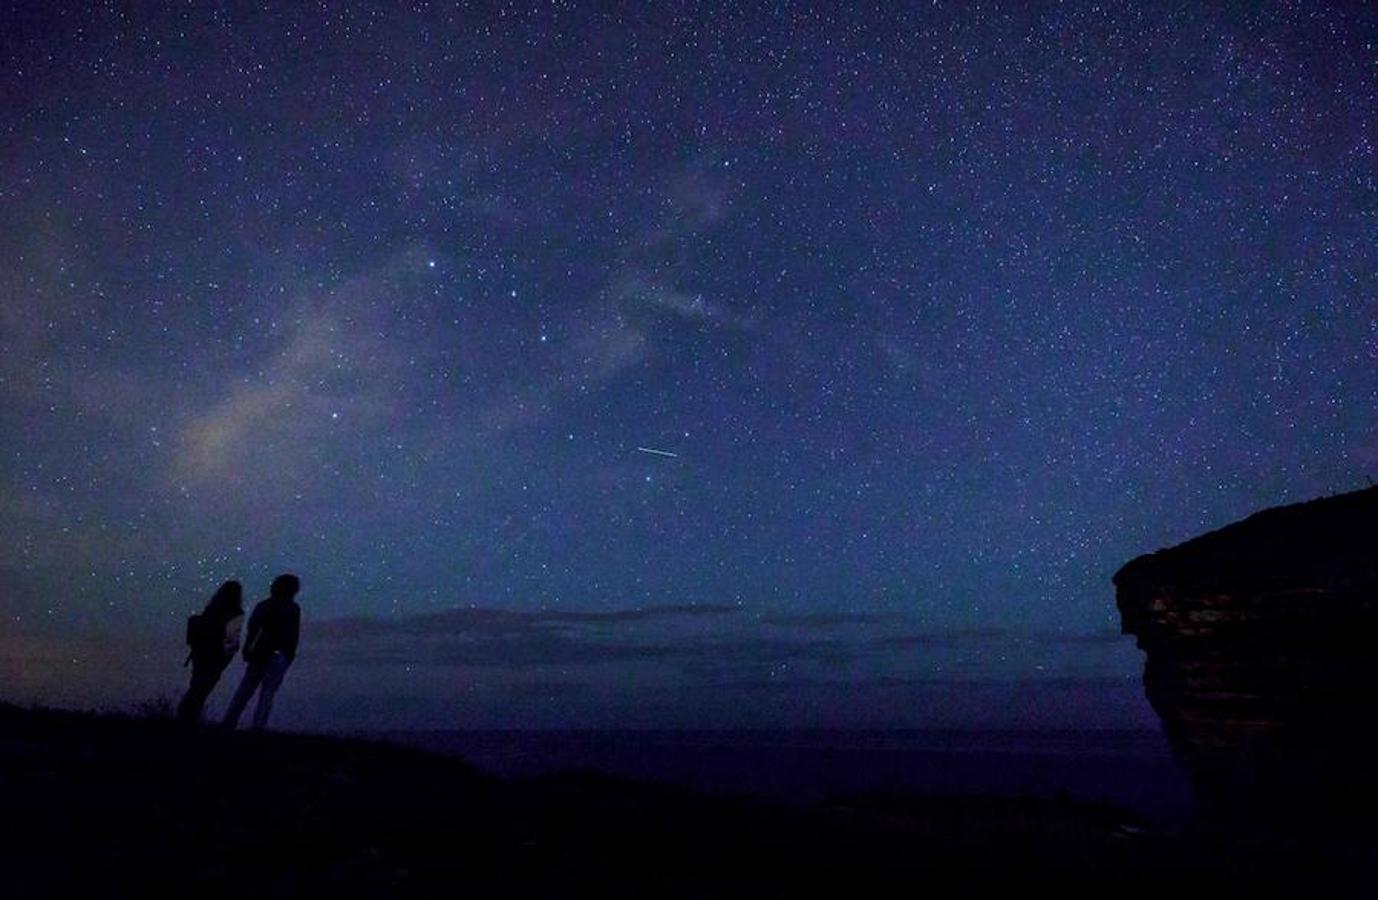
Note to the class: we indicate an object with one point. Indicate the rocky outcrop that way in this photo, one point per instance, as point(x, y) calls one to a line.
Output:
point(1262, 656)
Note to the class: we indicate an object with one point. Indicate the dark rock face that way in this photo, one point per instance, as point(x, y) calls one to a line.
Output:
point(1262, 646)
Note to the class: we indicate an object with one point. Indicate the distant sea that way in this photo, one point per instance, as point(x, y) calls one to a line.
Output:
point(1132, 770)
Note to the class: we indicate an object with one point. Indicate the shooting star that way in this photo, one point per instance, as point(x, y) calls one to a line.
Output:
point(658, 452)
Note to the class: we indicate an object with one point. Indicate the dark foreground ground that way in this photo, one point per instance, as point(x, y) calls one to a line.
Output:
point(1133, 770)
point(113, 806)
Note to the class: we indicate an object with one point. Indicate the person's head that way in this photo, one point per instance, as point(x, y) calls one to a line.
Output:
point(285, 587)
point(229, 597)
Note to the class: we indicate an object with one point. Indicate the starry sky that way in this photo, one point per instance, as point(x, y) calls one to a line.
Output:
point(938, 312)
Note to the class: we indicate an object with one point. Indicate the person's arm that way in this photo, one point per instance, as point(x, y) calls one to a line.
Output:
point(231, 636)
point(255, 626)
point(293, 634)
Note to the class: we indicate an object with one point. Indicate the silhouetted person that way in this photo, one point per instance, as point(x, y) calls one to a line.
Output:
point(213, 636)
point(269, 649)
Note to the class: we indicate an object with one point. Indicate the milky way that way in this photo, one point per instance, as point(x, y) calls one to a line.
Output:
point(943, 312)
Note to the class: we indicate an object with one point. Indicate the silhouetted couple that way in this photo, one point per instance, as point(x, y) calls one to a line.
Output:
point(270, 647)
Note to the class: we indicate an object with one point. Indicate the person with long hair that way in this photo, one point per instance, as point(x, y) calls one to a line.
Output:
point(213, 636)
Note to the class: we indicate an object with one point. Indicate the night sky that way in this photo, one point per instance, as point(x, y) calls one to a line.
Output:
point(938, 316)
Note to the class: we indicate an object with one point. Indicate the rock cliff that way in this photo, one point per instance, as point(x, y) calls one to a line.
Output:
point(1262, 656)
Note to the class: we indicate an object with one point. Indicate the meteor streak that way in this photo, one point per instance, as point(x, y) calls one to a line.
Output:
point(658, 452)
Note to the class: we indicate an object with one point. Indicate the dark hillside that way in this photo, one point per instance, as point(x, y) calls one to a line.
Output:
point(129, 807)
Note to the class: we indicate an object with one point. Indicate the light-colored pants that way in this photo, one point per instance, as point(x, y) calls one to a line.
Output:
point(265, 676)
